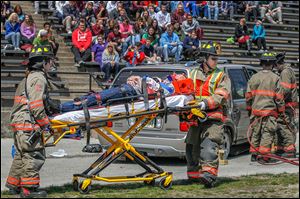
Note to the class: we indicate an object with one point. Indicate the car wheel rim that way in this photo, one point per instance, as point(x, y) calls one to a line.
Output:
point(226, 145)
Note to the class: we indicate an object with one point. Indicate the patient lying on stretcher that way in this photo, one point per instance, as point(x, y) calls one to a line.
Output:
point(172, 85)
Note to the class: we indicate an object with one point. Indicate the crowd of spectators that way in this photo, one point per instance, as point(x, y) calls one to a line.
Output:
point(135, 32)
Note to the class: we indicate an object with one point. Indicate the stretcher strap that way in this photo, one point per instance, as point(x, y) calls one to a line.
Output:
point(145, 92)
point(87, 121)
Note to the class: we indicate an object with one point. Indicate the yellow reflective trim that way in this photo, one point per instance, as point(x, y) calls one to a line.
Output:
point(39, 50)
point(46, 49)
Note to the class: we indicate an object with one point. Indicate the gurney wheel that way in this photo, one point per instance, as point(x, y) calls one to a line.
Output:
point(86, 190)
point(164, 184)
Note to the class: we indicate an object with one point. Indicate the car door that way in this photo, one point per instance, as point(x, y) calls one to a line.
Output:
point(239, 112)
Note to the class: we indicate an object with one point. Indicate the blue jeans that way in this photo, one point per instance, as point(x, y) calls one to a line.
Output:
point(14, 37)
point(215, 12)
point(107, 69)
point(203, 9)
point(174, 50)
point(91, 100)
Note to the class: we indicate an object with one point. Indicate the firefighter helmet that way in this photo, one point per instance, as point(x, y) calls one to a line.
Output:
point(39, 54)
point(211, 48)
point(268, 57)
point(280, 58)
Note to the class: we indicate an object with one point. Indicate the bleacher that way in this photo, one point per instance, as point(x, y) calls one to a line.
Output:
point(279, 38)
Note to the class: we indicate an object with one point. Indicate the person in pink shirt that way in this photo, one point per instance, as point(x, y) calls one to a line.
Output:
point(127, 33)
point(82, 40)
point(28, 30)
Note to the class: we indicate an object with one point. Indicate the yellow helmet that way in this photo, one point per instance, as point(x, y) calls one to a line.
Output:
point(211, 48)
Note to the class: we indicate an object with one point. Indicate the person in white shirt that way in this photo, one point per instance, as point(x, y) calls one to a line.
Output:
point(163, 17)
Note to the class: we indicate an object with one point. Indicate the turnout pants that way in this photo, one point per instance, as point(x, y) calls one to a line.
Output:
point(263, 133)
point(202, 146)
point(285, 138)
point(27, 162)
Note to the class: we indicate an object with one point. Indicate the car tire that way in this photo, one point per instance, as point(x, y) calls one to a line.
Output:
point(226, 146)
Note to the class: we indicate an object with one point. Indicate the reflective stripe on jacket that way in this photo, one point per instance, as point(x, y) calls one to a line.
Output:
point(214, 89)
point(264, 96)
point(37, 90)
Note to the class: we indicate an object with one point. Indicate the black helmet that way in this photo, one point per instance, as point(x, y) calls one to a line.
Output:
point(211, 48)
point(39, 54)
point(280, 58)
point(268, 57)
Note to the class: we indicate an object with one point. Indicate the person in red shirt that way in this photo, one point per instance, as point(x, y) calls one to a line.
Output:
point(82, 40)
point(134, 55)
point(179, 15)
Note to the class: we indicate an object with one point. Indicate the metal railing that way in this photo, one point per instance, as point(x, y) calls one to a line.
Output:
point(96, 76)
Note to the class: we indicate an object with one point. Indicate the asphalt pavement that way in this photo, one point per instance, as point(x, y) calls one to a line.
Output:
point(59, 171)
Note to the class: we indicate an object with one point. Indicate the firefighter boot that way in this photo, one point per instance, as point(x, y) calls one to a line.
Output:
point(208, 179)
point(32, 193)
point(13, 190)
point(253, 157)
point(289, 154)
point(265, 160)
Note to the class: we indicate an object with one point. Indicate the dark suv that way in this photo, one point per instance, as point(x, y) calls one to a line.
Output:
point(167, 139)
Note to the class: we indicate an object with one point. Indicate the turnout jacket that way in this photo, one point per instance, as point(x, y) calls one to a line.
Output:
point(289, 87)
point(264, 96)
point(214, 89)
point(37, 90)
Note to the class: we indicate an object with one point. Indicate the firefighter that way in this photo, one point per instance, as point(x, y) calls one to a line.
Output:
point(286, 133)
point(264, 103)
point(28, 118)
point(212, 91)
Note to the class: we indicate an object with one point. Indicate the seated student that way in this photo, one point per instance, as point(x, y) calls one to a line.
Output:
point(170, 44)
point(70, 15)
point(150, 54)
point(28, 29)
point(82, 40)
point(12, 30)
point(134, 55)
point(98, 49)
point(258, 36)
point(110, 61)
point(51, 37)
point(242, 34)
point(173, 84)
point(190, 45)
point(89, 14)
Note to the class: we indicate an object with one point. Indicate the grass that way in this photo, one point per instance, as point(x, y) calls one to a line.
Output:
point(254, 186)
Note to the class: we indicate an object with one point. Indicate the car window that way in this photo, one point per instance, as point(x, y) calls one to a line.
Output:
point(121, 79)
point(251, 72)
point(239, 83)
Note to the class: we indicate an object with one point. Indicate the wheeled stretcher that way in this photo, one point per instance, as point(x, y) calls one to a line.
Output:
point(97, 119)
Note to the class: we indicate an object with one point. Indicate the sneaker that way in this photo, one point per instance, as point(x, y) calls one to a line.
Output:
point(81, 63)
point(32, 193)
point(261, 51)
point(280, 22)
point(36, 13)
point(70, 32)
point(204, 18)
point(208, 179)
point(77, 65)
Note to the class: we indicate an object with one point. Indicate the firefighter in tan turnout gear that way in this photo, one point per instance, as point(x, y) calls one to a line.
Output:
point(264, 102)
point(286, 134)
point(212, 91)
point(28, 119)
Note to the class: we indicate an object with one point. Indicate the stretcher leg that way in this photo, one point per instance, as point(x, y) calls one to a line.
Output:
point(120, 146)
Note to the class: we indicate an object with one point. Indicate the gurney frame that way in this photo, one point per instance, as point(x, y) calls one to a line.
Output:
point(120, 145)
